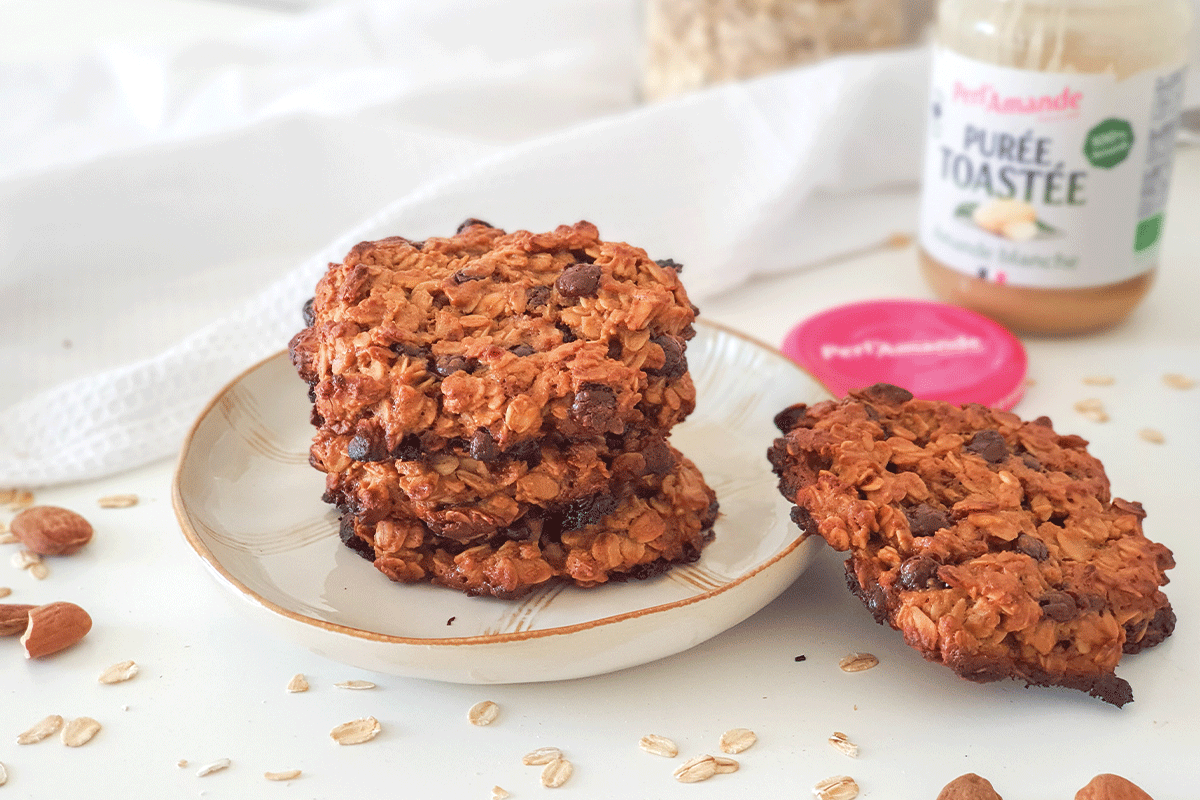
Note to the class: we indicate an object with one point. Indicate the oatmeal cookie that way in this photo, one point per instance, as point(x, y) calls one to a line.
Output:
point(461, 495)
point(634, 531)
point(991, 543)
point(495, 339)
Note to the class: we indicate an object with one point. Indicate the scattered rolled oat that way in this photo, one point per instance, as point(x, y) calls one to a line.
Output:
point(697, 769)
point(737, 740)
point(556, 773)
point(355, 685)
point(298, 683)
point(5, 591)
point(842, 744)
point(79, 731)
point(3, 774)
point(356, 731)
point(1093, 409)
point(483, 713)
point(15, 499)
point(24, 559)
point(216, 766)
point(499, 794)
point(541, 756)
point(118, 501)
point(726, 765)
point(899, 241)
point(47, 727)
point(839, 787)
point(119, 672)
point(39, 571)
point(1177, 381)
point(857, 662)
point(181, 763)
point(286, 775)
point(1151, 435)
point(657, 745)
point(1100, 380)
point(8, 537)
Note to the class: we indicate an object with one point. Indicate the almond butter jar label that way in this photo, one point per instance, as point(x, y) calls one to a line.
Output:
point(1047, 179)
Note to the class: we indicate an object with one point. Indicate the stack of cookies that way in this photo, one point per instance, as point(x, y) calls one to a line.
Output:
point(492, 409)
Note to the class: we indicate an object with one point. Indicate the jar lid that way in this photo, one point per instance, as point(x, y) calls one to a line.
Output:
point(936, 351)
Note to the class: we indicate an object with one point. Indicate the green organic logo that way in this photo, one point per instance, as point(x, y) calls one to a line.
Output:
point(1148, 233)
point(1109, 143)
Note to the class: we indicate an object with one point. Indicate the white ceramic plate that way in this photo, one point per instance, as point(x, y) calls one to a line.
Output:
point(249, 503)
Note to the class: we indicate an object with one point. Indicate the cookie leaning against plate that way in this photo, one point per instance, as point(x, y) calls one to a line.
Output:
point(991, 543)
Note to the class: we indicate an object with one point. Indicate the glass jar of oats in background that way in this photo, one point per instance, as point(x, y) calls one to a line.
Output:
point(691, 44)
point(1051, 137)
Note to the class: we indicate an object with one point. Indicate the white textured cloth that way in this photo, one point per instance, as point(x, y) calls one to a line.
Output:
point(163, 215)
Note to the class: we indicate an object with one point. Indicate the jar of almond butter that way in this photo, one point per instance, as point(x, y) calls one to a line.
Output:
point(1052, 127)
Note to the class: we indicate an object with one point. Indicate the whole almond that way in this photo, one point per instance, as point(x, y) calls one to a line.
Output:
point(54, 627)
point(51, 531)
point(14, 618)
point(1111, 787)
point(969, 787)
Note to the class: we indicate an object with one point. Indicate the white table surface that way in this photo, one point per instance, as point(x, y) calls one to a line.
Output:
point(212, 683)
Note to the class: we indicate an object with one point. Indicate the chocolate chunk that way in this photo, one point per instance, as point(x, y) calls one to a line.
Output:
point(462, 276)
point(307, 312)
point(791, 417)
point(1031, 546)
point(583, 257)
point(594, 406)
point(483, 446)
point(587, 511)
point(366, 448)
point(615, 349)
point(885, 393)
point(568, 335)
point(918, 572)
point(709, 517)
point(659, 459)
point(925, 520)
point(988, 445)
point(537, 296)
point(579, 280)
point(470, 222)
point(522, 350)
point(409, 349)
point(409, 448)
point(315, 418)
point(529, 451)
point(670, 263)
point(1030, 461)
point(448, 365)
point(1058, 606)
point(675, 363)
point(1044, 421)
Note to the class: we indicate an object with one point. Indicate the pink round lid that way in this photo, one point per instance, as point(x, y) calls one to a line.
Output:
point(936, 351)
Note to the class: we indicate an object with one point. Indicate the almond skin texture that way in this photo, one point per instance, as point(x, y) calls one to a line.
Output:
point(14, 618)
point(54, 627)
point(969, 787)
point(1111, 787)
point(51, 531)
